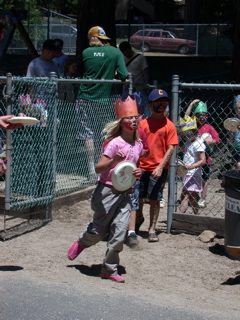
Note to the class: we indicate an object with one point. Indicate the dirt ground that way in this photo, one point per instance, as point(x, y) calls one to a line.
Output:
point(178, 271)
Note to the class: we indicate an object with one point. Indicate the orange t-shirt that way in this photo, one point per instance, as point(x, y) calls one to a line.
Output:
point(160, 133)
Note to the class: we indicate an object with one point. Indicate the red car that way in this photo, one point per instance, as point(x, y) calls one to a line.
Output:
point(161, 40)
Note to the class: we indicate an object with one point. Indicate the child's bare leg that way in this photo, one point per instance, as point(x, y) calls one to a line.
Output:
point(205, 186)
point(132, 221)
point(193, 196)
point(154, 213)
point(184, 203)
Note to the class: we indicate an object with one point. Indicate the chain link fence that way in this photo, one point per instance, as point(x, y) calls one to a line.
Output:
point(57, 156)
point(53, 158)
point(208, 39)
point(38, 33)
point(55, 26)
point(219, 99)
point(211, 40)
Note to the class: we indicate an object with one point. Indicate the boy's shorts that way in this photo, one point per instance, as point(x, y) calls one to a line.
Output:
point(135, 196)
point(150, 188)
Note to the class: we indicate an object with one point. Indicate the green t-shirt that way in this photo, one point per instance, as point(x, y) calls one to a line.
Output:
point(104, 62)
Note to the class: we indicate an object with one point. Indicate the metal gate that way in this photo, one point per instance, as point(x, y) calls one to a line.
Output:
point(219, 99)
point(49, 159)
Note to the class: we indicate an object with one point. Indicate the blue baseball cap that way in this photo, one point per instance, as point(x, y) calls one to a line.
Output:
point(158, 94)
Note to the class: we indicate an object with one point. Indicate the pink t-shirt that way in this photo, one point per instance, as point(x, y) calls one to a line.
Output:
point(133, 152)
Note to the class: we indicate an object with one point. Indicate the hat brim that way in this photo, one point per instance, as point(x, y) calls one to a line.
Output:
point(98, 36)
point(103, 37)
point(160, 98)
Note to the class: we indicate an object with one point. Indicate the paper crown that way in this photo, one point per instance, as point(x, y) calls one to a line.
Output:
point(199, 107)
point(126, 108)
point(187, 123)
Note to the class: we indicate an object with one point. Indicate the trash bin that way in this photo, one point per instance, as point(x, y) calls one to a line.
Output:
point(231, 184)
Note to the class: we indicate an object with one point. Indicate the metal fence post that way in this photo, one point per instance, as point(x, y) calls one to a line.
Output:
point(131, 83)
point(197, 39)
point(172, 168)
point(8, 97)
point(53, 76)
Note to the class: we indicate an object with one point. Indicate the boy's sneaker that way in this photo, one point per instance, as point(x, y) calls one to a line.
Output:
point(202, 203)
point(116, 278)
point(74, 251)
point(162, 203)
point(132, 240)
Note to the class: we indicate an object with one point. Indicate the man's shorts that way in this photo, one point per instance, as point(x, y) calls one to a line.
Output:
point(135, 195)
point(206, 172)
point(85, 118)
point(150, 188)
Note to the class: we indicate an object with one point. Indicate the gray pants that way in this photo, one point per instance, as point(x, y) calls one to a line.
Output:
point(111, 216)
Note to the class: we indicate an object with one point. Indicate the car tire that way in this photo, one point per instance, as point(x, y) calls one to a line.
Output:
point(183, 49)
point(145, 47)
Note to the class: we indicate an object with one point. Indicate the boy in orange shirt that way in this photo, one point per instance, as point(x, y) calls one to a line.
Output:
point(162, 137)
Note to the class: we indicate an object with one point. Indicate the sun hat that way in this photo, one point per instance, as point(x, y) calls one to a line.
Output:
point(199, 107)
point(187, 123)
point(157, 94)
point(126, 108)
point(98, 32)
point(50, 45)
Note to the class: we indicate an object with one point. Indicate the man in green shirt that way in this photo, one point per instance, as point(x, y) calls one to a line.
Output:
point(101, 61)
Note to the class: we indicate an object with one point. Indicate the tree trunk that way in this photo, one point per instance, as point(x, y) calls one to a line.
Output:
point(195, 11)
point(95, 13)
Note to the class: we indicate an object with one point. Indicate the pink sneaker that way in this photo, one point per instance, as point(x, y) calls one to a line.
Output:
point(74, 251)
point(116, 278)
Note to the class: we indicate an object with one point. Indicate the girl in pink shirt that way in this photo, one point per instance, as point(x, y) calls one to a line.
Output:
point(112, 207)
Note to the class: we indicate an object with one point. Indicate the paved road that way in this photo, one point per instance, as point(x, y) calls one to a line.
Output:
point(25, 300)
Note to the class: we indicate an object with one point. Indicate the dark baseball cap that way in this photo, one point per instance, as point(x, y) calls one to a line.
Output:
point(158, 94)
point(50, 45)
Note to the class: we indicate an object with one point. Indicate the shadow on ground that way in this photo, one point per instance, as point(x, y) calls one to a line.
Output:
point(94, 270)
